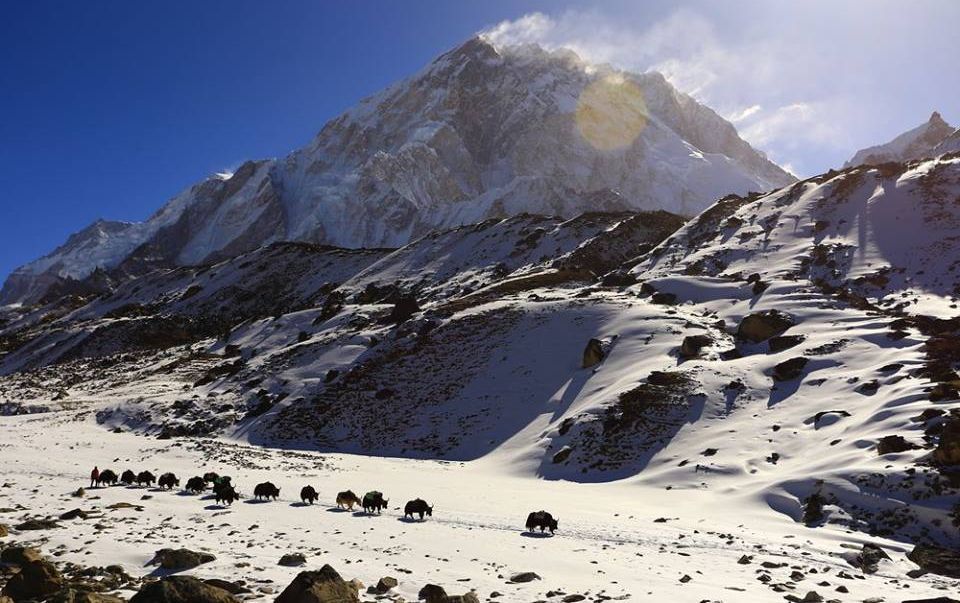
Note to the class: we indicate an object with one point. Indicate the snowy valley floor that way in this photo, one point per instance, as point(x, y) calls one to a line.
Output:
point(609, 545)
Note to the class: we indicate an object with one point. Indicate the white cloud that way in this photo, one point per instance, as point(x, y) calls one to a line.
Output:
point(743, 114)
point(531, 28)
point(738, 76)
point(795, 121)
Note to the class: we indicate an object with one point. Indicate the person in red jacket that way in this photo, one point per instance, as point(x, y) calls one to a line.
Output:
point(94, 476)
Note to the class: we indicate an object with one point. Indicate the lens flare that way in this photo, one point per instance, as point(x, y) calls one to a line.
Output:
point(611, 113)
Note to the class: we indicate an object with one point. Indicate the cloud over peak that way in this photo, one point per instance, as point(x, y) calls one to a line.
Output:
point(791, 81)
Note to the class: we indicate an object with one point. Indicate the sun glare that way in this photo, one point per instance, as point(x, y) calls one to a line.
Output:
point(611, 113)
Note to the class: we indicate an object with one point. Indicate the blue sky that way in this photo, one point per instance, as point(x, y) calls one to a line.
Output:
point(111, 107)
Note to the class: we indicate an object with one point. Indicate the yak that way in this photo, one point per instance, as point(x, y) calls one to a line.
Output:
point(222, 483)
point(309, 495)
point(145, 478)
point(128, 477)
point(107, 477)
point(374, 501)
point(542, 520)
point(347, 499)
point(210, 477)
point(225, 495)
point(196, 485)
point(168, 481)
point(266, 490)
point(418, 506)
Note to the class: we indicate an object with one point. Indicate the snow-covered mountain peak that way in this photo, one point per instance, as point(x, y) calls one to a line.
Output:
point(480, 132)
point(918, 143)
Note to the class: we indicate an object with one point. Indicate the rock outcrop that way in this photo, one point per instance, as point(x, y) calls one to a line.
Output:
point(182, 589)
point(323, 586)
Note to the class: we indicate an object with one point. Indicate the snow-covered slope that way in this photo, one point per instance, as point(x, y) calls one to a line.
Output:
point(168, 307)
point(923, 141)
point(481, 132)
point(786, 360)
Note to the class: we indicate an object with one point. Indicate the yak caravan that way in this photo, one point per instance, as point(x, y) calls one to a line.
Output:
point(224, 492)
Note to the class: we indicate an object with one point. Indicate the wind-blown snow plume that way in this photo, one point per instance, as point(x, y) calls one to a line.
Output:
point(774, 74)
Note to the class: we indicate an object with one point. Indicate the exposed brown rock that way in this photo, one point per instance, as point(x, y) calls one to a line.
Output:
point(936, 560)
point(35, 579)
point(181, 559)
point(948, 449)
point(593, 354)
point(761, 326)
point(789, 370)
point(182, 589)
point(324, 586)
point(894, 443)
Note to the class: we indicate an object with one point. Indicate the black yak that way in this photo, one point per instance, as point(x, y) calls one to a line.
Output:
point(542, 520)
point(418, 506)
point(347, 499)
point(309, 495)
point(374, 501)
point(221, 483)
point(226, 495)
point(196, 485)
point(145, 478)
point(266, 490)
point(107, 477)
point(128, 477)
point(210, 477)
point(168, 481)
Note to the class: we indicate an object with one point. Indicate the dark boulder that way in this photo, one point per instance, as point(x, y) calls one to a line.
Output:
point(944, 391)
point(432, 593)
point(894, 443)
point(20, 555)
point(180, 559)
point(788, 370)
point(948, 449)
point(936, 560)
point(35, 580)
point(292, 560)
point(869, 558)
point(182, 589)
point(524, 577)
point(74, 514)
point(37, 524)
point(664, 299)
point(693, 344)
point(834, 414)
point(784, 342)
point(731, 354)
point(562, 455)
point(593, 354)
point(761, 326)
point(618, 278)
point(324, 586)
point(384, 585)
point(405, 307)
point(813, 509)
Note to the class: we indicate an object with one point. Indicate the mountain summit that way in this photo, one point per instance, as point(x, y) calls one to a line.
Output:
point(926, 140)
point(480, 132)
